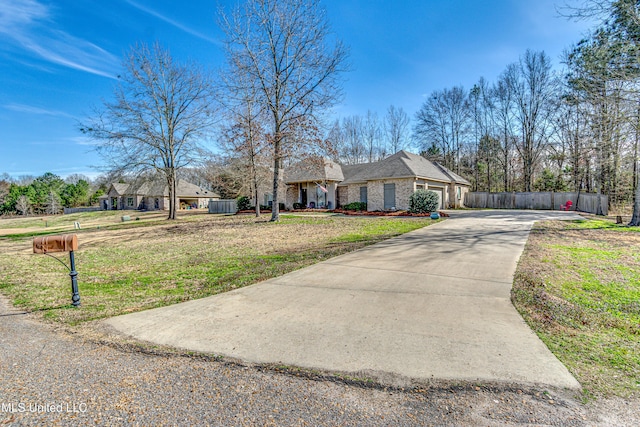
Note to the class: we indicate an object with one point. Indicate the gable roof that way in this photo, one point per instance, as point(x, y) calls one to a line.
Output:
point(314, 169)
point(401, 165)
point(454, 176)
point(120, 188)
point(159, 188)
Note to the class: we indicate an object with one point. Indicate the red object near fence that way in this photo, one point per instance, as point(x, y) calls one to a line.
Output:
point(567, 206)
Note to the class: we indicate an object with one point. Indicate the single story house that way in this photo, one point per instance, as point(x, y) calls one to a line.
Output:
point(154, 195)
point(384, 185)
point(313, 183)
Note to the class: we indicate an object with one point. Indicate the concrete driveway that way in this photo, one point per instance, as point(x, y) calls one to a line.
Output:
point(431, 304)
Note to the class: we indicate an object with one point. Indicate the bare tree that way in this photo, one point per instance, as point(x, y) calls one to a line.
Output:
point(74, 178)
point(337, 139)
point(352, 127)
point(442, 122)
point(534, 87)
point(602, 10)
point(23, 205)
point(162, 112)
point(504, 102)
point(357, 139)
point(396, 126)
point(53, 205)
point(245, 133)
point(285, 47)
point(245, 137)
point(371, 136)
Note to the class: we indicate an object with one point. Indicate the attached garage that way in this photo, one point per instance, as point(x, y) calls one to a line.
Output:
point(440, 192)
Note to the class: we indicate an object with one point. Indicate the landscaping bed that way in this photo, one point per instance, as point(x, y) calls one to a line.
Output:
point(352, 212)
point(386, 213)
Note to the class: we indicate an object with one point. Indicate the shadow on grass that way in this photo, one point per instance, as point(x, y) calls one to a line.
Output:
point(14, 314)
point(600, 224)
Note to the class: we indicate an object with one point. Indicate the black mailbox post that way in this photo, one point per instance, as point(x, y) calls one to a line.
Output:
point(64, 243)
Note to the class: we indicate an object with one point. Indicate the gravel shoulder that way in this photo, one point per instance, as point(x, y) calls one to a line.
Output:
point(51, 376)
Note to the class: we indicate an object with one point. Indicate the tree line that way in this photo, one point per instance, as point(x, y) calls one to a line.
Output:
point(47, 194)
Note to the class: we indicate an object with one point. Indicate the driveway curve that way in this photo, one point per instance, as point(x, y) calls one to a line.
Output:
point(430, 304)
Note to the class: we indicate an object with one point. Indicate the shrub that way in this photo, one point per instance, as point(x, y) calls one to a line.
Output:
point(268, 207)
point(423, 201)
point(298, 206)
point(244, 204)
point(355, 206)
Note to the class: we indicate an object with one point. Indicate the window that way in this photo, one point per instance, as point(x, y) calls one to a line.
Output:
point(129, 202)
point(459, 193)
point(363, 194)
point(389, 196)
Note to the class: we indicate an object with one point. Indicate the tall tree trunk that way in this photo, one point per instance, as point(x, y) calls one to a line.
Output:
point(506, 159)
point(527, 166)
point(171, 184)
point(254, 180)
point(635, 217)
point(275, 208)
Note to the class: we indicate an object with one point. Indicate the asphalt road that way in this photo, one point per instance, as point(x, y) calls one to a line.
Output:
point(51, 377)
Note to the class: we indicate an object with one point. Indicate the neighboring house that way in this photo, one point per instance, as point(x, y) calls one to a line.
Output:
point(154, 195)
point(384, 185)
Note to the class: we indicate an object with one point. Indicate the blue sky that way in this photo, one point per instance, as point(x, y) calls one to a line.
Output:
point(59, 59)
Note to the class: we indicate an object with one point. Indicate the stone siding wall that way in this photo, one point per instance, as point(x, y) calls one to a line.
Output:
point(343, 195)
point(375, 189)
point(463, 191)
point(354, 192)
point(292, 195)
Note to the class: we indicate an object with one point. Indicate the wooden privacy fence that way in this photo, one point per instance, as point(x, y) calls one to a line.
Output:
point(223, 206)
point(544, 200)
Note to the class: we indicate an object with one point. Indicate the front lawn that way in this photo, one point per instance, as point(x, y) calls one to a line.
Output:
point(138, 265)
point(578, 286)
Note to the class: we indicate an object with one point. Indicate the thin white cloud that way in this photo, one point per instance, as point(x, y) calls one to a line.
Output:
point(174, 23)
point(30, 25)
point(83, 140)
point(15, 14)
point(30, 109)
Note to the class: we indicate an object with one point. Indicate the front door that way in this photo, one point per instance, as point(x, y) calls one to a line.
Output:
point(303, 197)
point(389, 196)
point(114, 203)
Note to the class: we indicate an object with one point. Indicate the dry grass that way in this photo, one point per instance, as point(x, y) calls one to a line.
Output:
point(578, 287)
point(138, 265)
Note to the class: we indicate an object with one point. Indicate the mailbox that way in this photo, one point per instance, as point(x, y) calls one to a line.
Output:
point(50, 244)
point(64, 243)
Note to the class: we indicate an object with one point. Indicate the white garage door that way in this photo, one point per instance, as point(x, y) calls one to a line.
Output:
point(440, 193)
